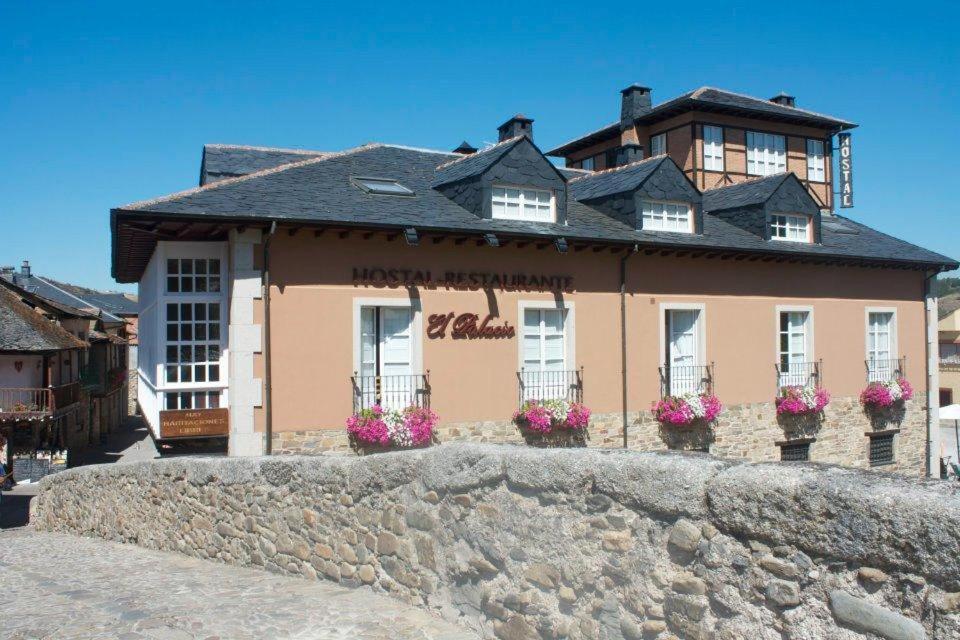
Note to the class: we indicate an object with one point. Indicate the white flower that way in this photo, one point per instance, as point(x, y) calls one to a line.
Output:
point(896, 392)
point(399, 434)
point(695, 402)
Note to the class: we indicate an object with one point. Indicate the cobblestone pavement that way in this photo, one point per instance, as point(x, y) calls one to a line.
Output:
point(70, 588)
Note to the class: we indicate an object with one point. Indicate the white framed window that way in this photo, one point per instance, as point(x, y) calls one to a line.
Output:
point(881, 345)
point(516, 203)
point(795, 347)
point(193, 275)
point(658, 145)
point(766, 154)
point(588, 163)
point(790, 228)
point(815, 161)
point(667, 216)
point(387, 352)
point(683, 348)
point(173, 400)
point(194, 333)
point(546, 350)
point(712, 148)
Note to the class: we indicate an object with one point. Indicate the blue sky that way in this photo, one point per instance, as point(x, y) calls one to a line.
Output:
point(105, 103)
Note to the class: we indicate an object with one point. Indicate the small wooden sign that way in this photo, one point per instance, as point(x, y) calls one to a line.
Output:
point(194, 423)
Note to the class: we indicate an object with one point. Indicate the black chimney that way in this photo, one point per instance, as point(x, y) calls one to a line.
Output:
point(518, 125)
point(25, 269)
point(635, 101)
point(784, 99)
point(465, 148)
point(629, 152)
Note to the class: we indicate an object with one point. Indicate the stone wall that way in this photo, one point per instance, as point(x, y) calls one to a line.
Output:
point(749, 432)
point(522, 543)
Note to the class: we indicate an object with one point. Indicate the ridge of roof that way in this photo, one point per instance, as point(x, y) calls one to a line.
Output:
point(696, 93)
point(250, 176)
point(783, 175)
point(244, 147)
point(622, 167)
point(87, 304)
point(481, 152)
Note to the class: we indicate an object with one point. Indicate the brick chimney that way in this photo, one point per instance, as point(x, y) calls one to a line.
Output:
point(25, 269)
point(784, 100)
point(635, 101)
point(518, 125)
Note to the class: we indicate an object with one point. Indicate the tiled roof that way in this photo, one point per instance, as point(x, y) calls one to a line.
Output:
point(618, 180)
point(24, 330)
point(709, 99)
point(53, 291)
point(473, 164)
point(743, 194)
point(221, 161)
point(320, 192)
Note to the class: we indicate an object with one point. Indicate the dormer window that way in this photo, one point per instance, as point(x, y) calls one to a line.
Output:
point(515, 203)
point(790, 228)
point(667, 216)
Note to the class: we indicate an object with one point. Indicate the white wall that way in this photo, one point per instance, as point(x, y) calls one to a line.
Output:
point(30, 375)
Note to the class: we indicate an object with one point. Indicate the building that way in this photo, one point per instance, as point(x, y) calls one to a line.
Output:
point(948, 333)
point(291, 288)
point(109, 324)
point(42, 406)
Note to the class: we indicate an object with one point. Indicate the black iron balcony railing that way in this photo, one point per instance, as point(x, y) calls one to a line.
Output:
point(886, 370)
point(538, 385)
point(679, 380)
point(391, 392)
point(799, 374)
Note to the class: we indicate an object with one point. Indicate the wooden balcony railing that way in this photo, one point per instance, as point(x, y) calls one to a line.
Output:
point(391, 392)
point(550, 385)
point(26, 404)
point(679, 380)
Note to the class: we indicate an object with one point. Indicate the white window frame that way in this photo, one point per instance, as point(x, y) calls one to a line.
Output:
point(661, 140)
point(521, 202)
point(701, 330)
point(167, 250)
point(713, 148)
point(816, 161)
point(416, 329)
point(766, 153)
point(894, 343)
point(591, 161)
point(790, 223)
point(809, 353)
point(661, 222)
point(569, 329)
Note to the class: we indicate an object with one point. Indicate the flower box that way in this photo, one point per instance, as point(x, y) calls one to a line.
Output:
point(881, 395)
point(412, 427)
point(800, 400)
point(685, 410)
point(549, 415)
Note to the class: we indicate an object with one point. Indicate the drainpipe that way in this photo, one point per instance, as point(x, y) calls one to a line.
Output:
point(623, 335)
point(267, 380)
point(933, 383)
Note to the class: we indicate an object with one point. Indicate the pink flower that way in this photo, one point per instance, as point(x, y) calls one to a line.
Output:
point(682, 411)
point(884, 394)
point(369, 427)
point(799, 400)
point(545, 416)
point(420, 423)
point(578, 417)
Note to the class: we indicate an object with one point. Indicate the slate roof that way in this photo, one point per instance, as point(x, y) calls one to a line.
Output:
point(319, 191)
point(618, 180)
point(948, 305)
point(711, 99)
point(474, 164)
point(24, 330)
point(54, 292)
point(113, 302)
point(743, 194)
point(221, 161)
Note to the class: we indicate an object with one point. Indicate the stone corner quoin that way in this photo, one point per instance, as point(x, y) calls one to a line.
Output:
point(577, 543)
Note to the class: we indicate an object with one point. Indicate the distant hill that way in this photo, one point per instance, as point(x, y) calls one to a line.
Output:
point(948, 303)
point(945, 286)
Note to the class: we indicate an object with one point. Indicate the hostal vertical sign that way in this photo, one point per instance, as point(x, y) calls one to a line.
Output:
point(846, 171)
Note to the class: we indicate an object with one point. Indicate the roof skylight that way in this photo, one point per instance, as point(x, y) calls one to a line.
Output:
point(382, 186)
